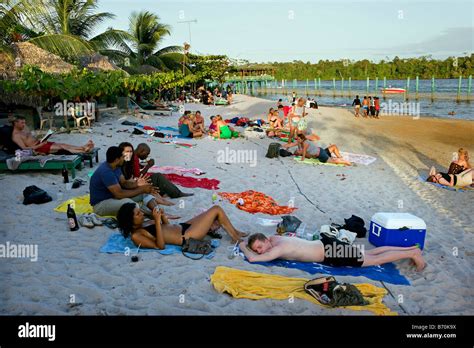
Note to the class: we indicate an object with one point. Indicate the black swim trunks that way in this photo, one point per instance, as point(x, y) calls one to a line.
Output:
point(340, 254)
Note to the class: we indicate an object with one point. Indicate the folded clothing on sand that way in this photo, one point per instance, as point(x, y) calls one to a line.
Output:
point(117, 244)
point(257, 286)
point(256, 202)
point(387, 272)
point(187, 181)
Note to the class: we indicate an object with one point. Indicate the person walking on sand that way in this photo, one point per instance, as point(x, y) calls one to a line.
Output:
point(377, 106)
point(259, 248)
point(365, 106)
point(157, 233)
point(371, 107)
point(356, 104)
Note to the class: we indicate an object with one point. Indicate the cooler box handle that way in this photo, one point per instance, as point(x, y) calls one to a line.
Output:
point(376, 229)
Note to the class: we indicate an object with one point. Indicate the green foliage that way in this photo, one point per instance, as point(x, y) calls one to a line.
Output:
point(85, 83)
point(212, 67)
point(424, 67)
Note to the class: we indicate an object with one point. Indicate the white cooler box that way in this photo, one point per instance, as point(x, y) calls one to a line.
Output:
point(397, 229)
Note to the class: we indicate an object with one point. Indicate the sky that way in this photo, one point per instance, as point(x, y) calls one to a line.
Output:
point(283, 31)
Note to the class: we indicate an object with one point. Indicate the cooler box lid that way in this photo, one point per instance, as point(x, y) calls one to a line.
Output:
point(393, 221)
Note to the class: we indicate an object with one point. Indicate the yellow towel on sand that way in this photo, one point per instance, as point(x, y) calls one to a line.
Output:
point(256, 286)
point(82, 205)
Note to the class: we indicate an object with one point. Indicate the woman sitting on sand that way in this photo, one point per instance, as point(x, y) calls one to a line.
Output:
point(199, 122)
point(224, 131)
point(186, 128)
point(461, 180)
point(308, 149)
point(275, 123)
point(461, 164)
point(157, 233)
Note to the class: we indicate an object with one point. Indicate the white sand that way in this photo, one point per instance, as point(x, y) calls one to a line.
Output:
point(69, 263)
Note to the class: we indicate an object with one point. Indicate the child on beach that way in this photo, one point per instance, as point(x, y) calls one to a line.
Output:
point(155, 234)
point(365, 106)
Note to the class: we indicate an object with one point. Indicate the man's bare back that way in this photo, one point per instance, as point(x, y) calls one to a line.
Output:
point(297, 249)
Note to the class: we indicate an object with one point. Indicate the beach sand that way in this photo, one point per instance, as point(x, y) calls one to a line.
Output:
point(70, 265)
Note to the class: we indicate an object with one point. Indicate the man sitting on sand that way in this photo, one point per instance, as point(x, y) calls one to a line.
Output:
point(109, 189)
point(259, 248)
point(26, 141)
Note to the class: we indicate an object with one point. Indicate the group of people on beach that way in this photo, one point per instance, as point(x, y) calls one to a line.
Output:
point(192, 126)
point(370, 106)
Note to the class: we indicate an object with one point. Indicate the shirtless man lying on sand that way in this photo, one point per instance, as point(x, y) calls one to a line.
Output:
point(27, 142)
point(259, 248)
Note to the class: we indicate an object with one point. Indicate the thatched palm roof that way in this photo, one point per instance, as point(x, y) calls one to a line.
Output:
point(97, 62)
point(33, 55)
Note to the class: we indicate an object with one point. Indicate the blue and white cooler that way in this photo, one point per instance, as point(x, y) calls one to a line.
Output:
point(397, 229)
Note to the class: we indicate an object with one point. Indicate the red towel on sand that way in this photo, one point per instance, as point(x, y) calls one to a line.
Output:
point(187, 181)
point(256, 202)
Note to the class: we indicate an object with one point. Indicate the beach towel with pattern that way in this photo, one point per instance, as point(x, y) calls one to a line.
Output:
point(257, 286)
point(117, 244)
point(188, 181)
point(315, 162)
point(358, 158)
point(256, 202)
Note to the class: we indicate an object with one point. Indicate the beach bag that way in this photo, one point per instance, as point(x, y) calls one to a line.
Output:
point(289, 224)
point(357, 225)
point(195, 246)
point(33, 194)
point(328, 291)
point(273, 150)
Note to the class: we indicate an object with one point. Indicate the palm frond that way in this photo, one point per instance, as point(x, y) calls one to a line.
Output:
point(66, 46)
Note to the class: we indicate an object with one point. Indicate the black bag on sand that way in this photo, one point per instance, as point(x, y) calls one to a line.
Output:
point(289, 224)
point(357, 225)
point(195, 246)
point(33, 194)
point(273, 150)
point(285, 153)
point(328, 291)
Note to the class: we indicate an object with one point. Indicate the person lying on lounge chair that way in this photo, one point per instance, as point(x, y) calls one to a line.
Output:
point(259, 248)
point(462, 179)
point(157, 233)
point(26, 141)
point(308, 149)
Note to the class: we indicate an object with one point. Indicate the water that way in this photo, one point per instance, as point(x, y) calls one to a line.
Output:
point(444, 103)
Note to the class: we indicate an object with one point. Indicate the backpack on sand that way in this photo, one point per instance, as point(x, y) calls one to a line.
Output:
point(273, 150)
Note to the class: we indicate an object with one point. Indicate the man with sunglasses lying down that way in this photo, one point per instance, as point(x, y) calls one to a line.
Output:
point(333, 253)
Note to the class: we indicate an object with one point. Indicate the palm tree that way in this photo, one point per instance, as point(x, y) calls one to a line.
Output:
point(63, 27)
point(145, 35)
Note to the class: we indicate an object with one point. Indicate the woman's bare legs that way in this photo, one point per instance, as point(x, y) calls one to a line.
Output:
point(339, 161)
point(201, 224)
point(383, 249)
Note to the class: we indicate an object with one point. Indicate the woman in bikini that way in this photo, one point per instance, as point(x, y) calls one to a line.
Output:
point(275, 124)
point(156, 233)
point(308, 149)
point(461, 164)
point(462, 179)
point(224, 131)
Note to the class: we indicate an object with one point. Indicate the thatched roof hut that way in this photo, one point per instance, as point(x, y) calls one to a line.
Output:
point(33, 55)
point(97, 62)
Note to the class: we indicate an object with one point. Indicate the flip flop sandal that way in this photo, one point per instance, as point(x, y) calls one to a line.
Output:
point(110, 223)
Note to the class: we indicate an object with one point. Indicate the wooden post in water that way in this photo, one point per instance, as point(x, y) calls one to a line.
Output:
point(334, 87)
point(469, 85)
point(367, 85)
point(384, 86)
point(416, 87)
point(350, 80)
point(342, 86)
point(432, 88)
point(376, 85)
point(319, 85)
point(307, 84)
point(315, 86)
point(407, 91)
point(458, 98)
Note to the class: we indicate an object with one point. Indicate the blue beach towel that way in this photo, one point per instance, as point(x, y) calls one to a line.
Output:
point(171, 129)
point(117, 244)
point(386, 272)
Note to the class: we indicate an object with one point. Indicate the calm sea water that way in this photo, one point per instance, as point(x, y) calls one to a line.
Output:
point(440, 107)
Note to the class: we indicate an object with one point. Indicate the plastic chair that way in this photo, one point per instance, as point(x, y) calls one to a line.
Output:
point(78, 120)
